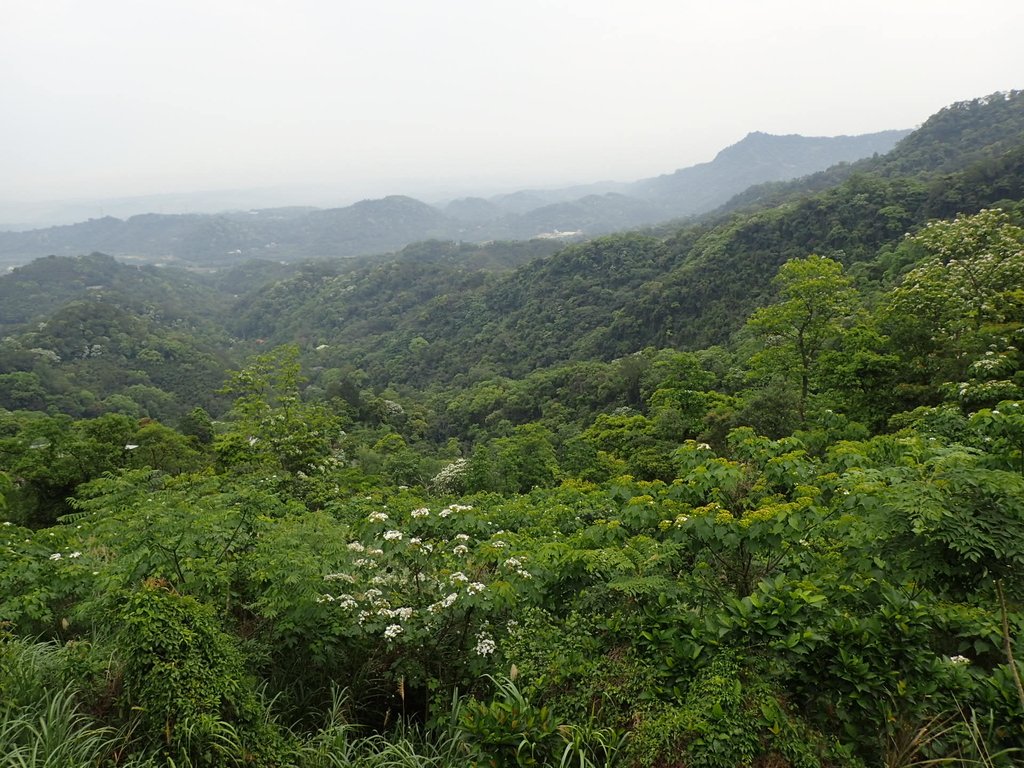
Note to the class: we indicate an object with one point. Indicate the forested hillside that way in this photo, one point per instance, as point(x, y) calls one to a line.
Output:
point(688, 289)
point(746, 492)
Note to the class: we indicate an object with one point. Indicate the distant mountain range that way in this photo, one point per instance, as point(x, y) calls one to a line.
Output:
point(377, 226)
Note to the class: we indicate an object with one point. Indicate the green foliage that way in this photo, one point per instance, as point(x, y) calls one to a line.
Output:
point(964, 296)
point(51, 457)
point(271, 427)
point(525, 459)
point(185, 683)
point(816, 297)
point(655, 569)
point(52, 733)
point(510, 731)
point(724, 721)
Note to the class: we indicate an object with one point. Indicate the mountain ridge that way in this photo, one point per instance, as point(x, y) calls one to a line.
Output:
point(385, 224)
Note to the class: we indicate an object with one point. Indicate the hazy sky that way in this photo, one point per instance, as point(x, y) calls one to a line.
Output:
point(107, 98)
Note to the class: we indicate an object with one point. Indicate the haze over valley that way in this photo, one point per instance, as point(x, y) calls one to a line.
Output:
point(377, 226)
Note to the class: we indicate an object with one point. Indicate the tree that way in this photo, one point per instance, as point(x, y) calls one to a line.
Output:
point(964, 296)
point(816, 296)
point(271, 426)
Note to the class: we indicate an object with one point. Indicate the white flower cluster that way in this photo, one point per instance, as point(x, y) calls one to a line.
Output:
point(445, 602)
point(344, 601)
point(59, 556)
point(405, 613)
point(377, 517)
point(393, 631)
point(421, 512)
point(391, 408)
point(346, 577)
point(959, 660)
point(452, 478)
point(453, 508)
point(392, 536)
point(515, 564)
point(485, 644)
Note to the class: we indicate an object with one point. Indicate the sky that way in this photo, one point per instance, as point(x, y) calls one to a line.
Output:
point(344, 100)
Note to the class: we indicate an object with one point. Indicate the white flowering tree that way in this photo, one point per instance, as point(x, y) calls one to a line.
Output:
point(957, 316)
point(407, 598)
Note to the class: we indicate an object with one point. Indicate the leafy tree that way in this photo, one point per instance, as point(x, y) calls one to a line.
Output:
point(815, 298)
point(197, 424)
point(966, 293)
point(270, 424)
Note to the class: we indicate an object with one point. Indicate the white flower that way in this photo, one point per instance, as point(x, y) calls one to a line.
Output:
point(959, 660)
point(393, 631)
point(476, 587)
point(392, 535)
point(75, 554)
point(485, 644)
point(415, 541)
point(421, 512)
point(461, 537)
point(55, 556)
point(460, 549)
point(513, 562)
point(446, 602)
point(377, 517)
point(457, 576)
point(523, 574)
point(355, 546)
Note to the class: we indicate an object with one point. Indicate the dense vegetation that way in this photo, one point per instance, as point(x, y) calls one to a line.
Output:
point(491, 506)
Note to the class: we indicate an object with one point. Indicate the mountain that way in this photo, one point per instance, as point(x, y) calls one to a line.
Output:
point(377, 226)
point(688, 288)
point(758, 158)
point(450, 313)
point(30, 292)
